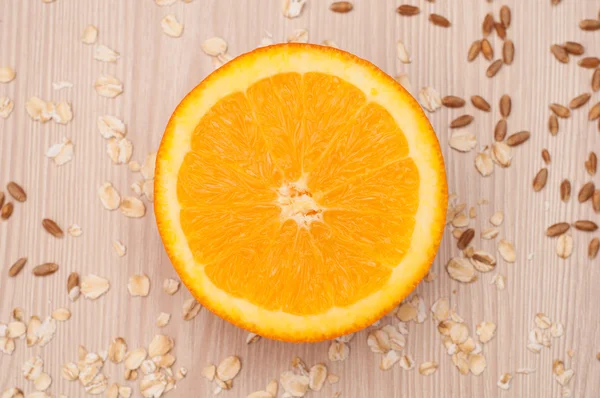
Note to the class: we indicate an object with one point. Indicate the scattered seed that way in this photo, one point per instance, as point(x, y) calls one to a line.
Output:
point(565, 190)
point(6, 107)
point(508, 52)
point(590, 24)
point(451, 101)
point(573, 48)
point(461, 270)
point(519, 138)
point(16, 191)
point(596, 200)
point(6, 211)
point(591, 163)
point(487, 25)
point(139, 285)
point(17, 267)
point(579, 101)
point(407, 10)
point(564, 246)
point(61, 314)
point(105, 54)
point(500, 130)
point(596, 80)
point(585, 225)
point(132, 207)
point(553, 124)
point(341, 6)
point(428, 368)
point(593, 248)
point(94, 286)
point(505, 105)
point(500, 30)
point(505, 16)
point(474, 50)
point(546, 156)
point(45, 269)
point(560, 111)
point(52, 228)
point(586, 192)
point(439, 20)
point(461, 121)
point(73, 288)
point(466, 238)
point(589, 62)
point(594, 112)
point(480, 103)
point(557, 229)
point(560, 53)
point(539, 181)
point(483, 261)
point(430, 99)
point(487, 50)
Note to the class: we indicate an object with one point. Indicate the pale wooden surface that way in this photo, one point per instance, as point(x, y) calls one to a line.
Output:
point(42, 42)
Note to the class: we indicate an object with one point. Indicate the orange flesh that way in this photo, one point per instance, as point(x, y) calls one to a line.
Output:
point(298, 195)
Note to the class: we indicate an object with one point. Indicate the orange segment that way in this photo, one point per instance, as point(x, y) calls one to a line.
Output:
point(300, 192)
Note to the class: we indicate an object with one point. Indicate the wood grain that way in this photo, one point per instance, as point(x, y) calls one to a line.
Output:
point(42, 43)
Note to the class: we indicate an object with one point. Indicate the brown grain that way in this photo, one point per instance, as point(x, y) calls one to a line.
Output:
point(72, 281)
point(505, 16)
point(585, 225)
point(591, 163)
point(461, 121)
point(579, 101)
point(500, 130)
point(487, 25)
point(17, 267)
point(589, 62)
point(505, 105)
point(574, 48)
point(517, 139)
point(474, 50)
point(557, 229)
point(2, 197)
point(407, 10)
point(451, 101)
point(560, 110)
point(500, 30)
point(590, 24)
point(586, 192)
point(481, 104)
point(596, 80)
point(439, 20)
point(7, 211)
point(465, 238)
point(52, 228)
point(553, 124)
point(539, 181)
point(546, 156)
point(593, 252)
point(494, 68)
point(341, 6)
point(16, 191)
point(559, 53)
point(594, 112)
point(487, 50)
point(45, 269)
point(596, 201)
point(508, 52)
point(565, 190)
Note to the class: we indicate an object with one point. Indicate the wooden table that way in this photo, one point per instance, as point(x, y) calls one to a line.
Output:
point(42, 43)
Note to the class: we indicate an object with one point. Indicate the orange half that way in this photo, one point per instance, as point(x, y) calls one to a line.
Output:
point(300, 192)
